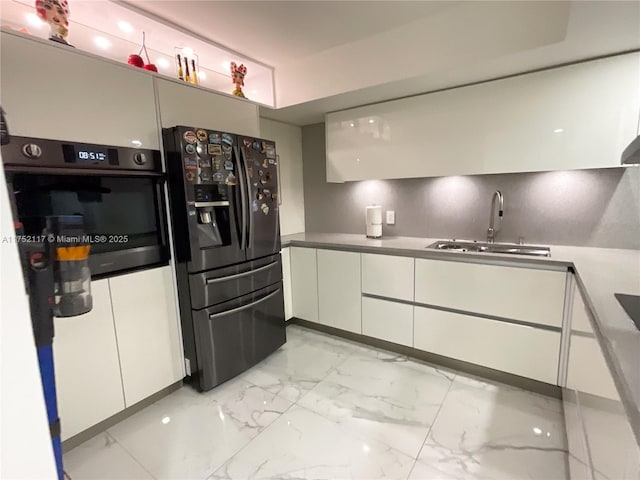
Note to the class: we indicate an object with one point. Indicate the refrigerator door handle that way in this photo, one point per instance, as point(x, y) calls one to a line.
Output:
point(249, 213)
point(244, 307)
point(211, 281)
point(244, 195)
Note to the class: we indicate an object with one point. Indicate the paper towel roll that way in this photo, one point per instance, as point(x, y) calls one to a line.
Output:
point(374, 221)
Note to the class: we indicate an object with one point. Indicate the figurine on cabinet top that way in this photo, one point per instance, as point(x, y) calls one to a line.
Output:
point(56, 14)
point(237, 77)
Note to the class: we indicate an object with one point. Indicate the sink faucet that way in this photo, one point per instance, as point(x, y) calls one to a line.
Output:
point(492, 230)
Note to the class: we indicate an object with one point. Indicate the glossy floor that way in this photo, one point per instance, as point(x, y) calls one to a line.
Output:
point(323, 407)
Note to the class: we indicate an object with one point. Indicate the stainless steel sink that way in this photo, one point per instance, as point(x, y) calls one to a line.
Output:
point(511, 249)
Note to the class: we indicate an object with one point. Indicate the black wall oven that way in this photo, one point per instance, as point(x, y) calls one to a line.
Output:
point(119, 192)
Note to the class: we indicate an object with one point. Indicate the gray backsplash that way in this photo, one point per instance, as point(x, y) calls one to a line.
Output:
point(598, 207)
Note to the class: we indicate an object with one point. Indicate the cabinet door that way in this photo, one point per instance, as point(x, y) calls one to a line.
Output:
point(92, 100)
point(388, 276)
point(147, 330)
point(526, 351)
point(304, 283)
point(390, 321)
point(286, 282)
point(535, 296)
point(339, 290)
point(182, 104)
point(587, 369)
point(86, 365)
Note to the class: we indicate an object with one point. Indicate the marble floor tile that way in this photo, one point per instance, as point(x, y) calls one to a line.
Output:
point(292, 372)
point(188, 435)
point(498, 432)
point(302, 444)
point(102, 458)
point(381, 395)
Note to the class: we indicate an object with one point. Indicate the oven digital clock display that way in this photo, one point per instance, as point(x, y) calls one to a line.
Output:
point(89, 154)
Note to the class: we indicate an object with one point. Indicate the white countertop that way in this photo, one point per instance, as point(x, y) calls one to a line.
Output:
point(600, 273)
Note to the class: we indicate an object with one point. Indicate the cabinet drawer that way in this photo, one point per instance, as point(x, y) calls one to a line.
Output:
point(535, 296)
point(304, 283)
point(387, 276)
point(518, 349)
point(388, 321)
point(588, 371)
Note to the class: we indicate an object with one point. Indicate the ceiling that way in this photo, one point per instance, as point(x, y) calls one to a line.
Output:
point(275, 32)
point(332, 55)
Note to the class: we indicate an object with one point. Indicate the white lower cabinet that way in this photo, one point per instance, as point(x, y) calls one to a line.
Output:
point(87, 369)
point(339, 291)
point(388, 276)
point(522, 350)
point(390, 321)
point(526, 294)
point(286, 283)
point(304, 283)
point(147, 330)
point(587, 370)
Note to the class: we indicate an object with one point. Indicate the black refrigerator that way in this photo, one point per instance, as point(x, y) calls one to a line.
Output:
point(223, 191)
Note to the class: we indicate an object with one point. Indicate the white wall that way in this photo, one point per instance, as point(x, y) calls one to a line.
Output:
point(288, 140)
point(25, 445)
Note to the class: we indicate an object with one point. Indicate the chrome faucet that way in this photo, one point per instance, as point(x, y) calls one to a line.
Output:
point(492, 230)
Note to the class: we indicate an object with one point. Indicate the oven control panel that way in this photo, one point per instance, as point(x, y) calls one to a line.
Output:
point(37, 152)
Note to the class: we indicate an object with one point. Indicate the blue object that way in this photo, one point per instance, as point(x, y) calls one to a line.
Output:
point(47, 374)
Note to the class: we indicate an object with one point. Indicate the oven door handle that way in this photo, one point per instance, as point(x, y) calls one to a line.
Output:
point(211, 281)
point(244, 307)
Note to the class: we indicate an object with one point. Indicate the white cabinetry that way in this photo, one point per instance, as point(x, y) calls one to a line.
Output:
point(286, 283)
point(535, 296)
point(578, 116)
point(146, 323)
point(387, 276)
point(304, 283)
point(182, 104)
point(518, 349)
point(125, 349)
point(587, 370)
point(339, 292)
point(50, 91)
point(87, 369)
point(390, 321)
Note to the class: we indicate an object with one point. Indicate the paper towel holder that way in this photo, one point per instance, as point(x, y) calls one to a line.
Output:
point(373, 219)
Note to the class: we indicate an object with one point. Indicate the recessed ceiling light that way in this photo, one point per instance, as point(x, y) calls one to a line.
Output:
point(137, 143)
point(187, 51)
point(537, 430)
point(226, 65)
point(558, 130)
point(34, 20)
point(125, 26)
point(352, 124)
point(162, 63)
point(202, 75)
point(371, 120)
point(102, 42)
point(166, 420)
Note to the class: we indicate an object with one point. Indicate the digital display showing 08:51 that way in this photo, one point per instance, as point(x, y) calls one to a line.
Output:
point(89, 155)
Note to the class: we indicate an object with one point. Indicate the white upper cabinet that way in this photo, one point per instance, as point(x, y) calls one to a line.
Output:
point(182, 104)
point(579, 116)
point(51, 91)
